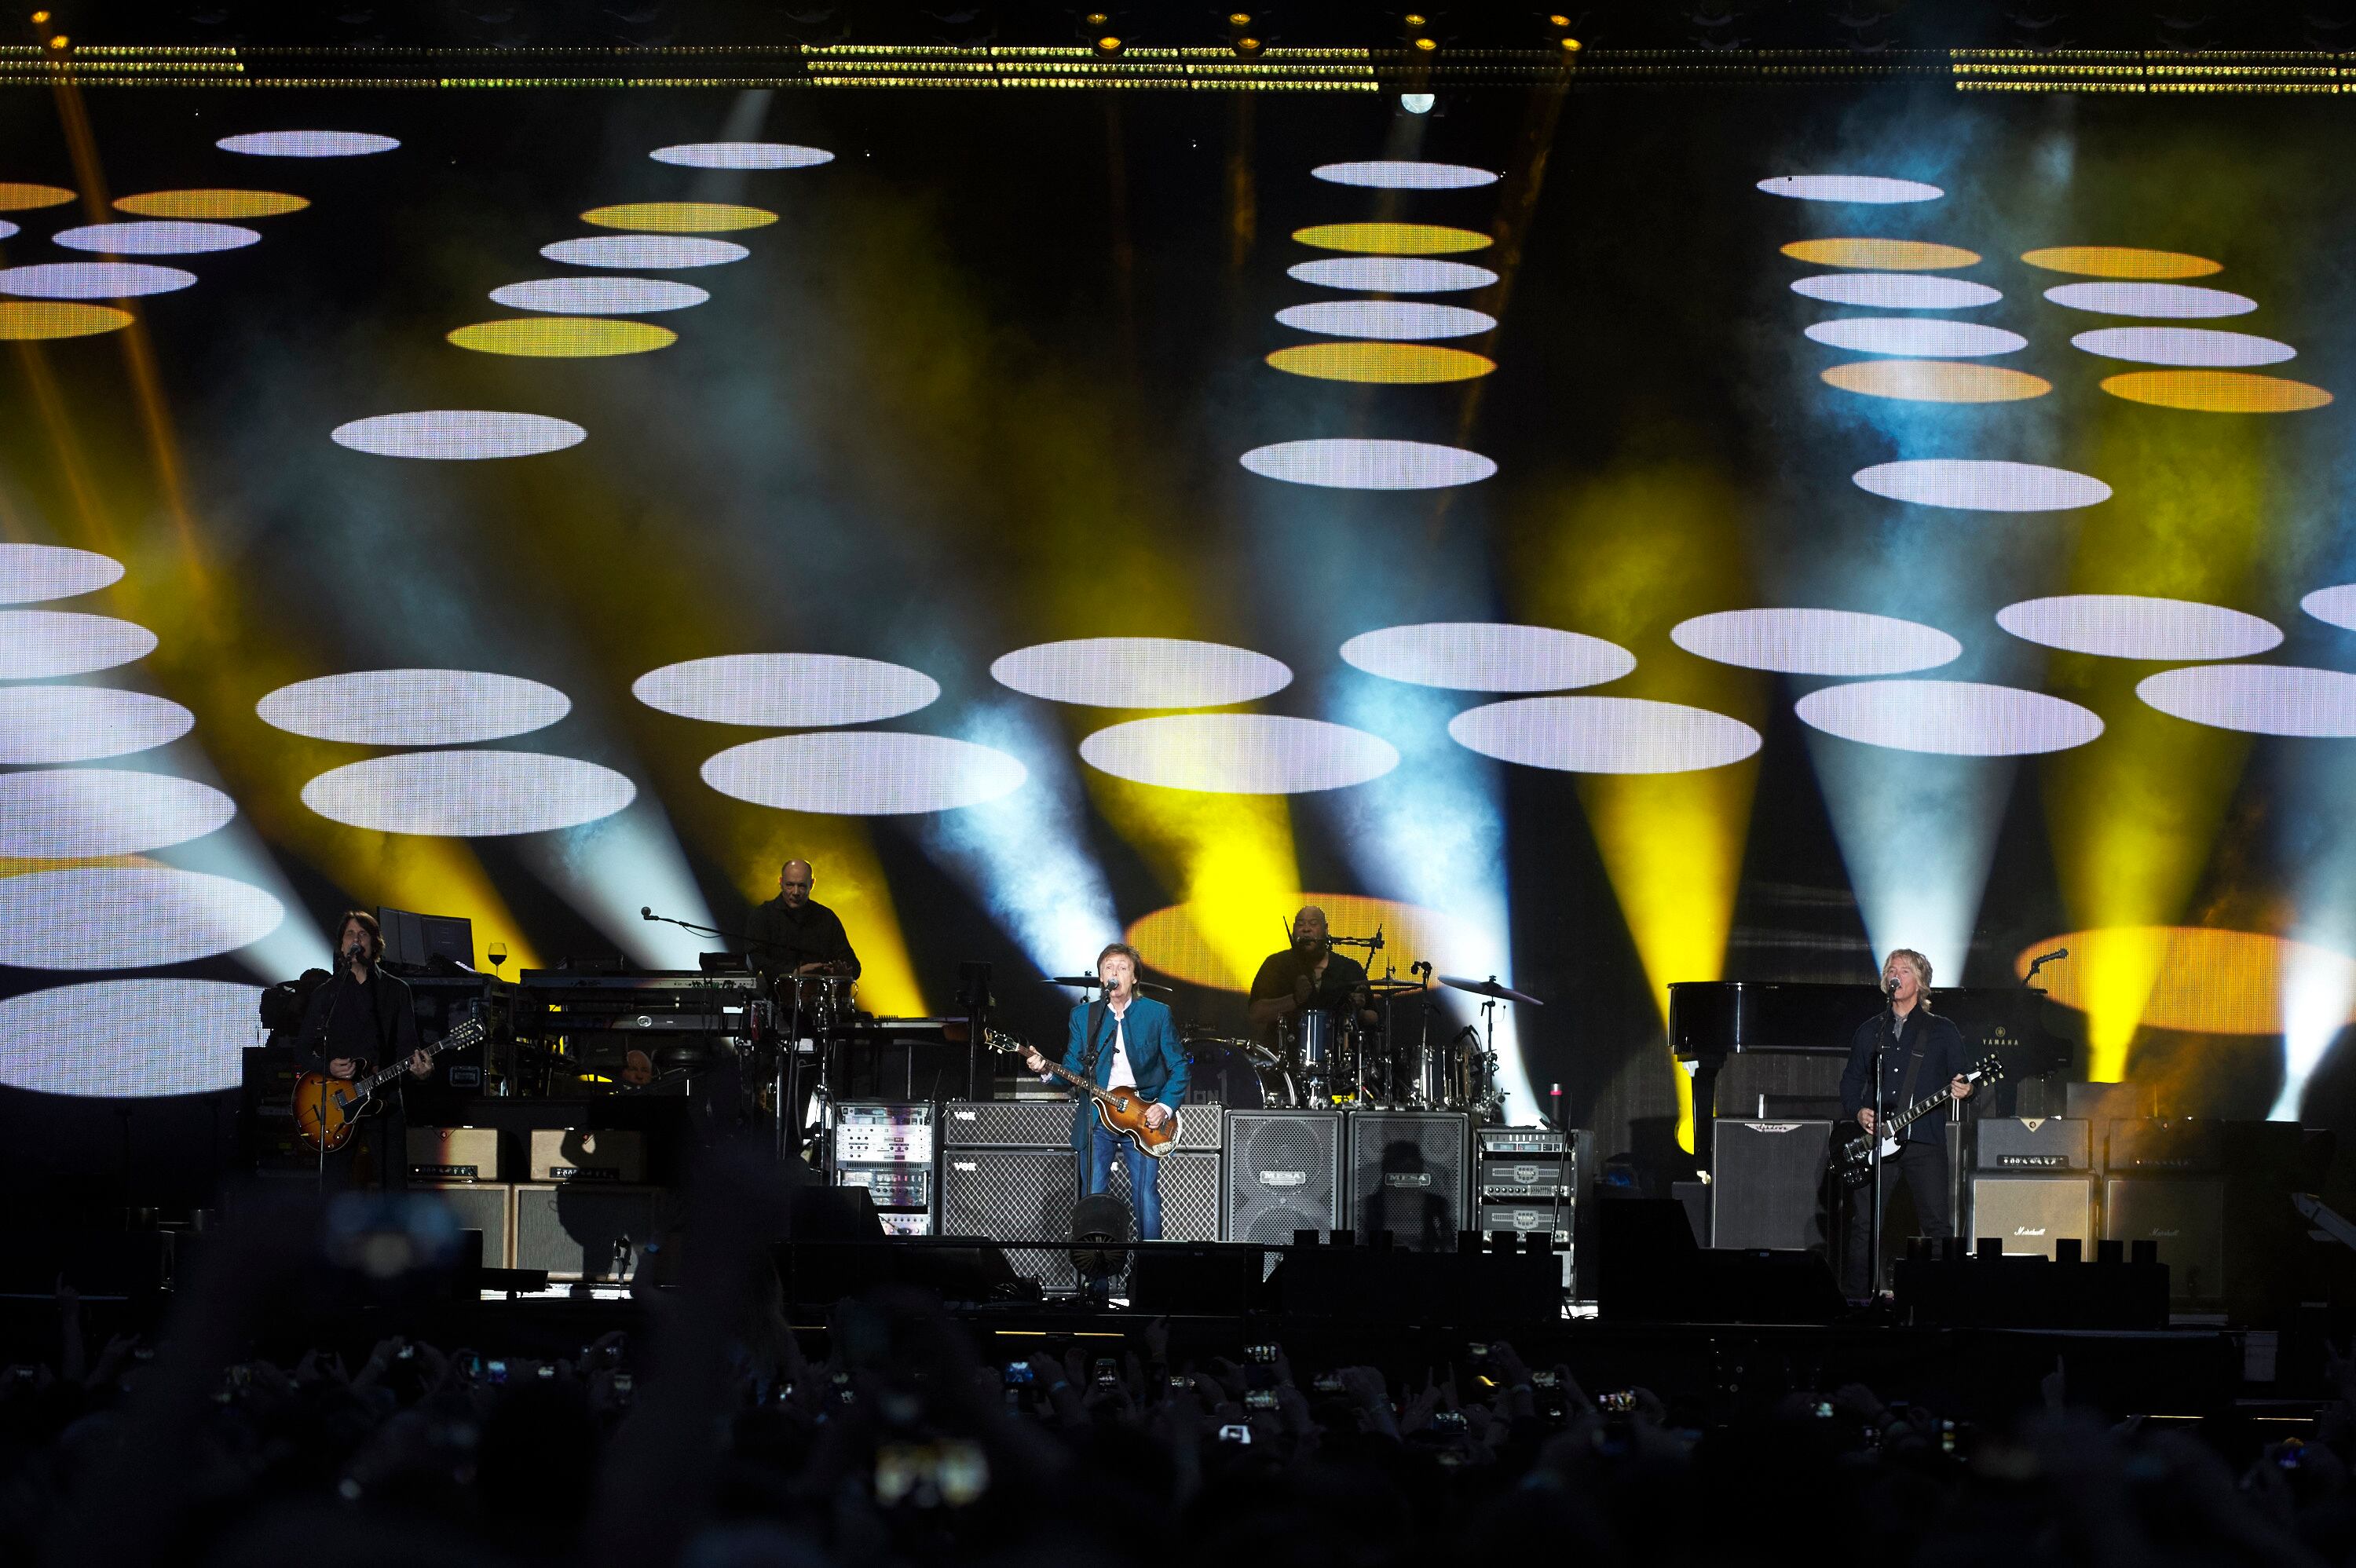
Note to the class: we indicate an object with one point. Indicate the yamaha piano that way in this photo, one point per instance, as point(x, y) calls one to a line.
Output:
point(1776, 1048)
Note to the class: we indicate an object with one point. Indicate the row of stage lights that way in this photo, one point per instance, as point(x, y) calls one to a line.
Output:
point(1245, 41)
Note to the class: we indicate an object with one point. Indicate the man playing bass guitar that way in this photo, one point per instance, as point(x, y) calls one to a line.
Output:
point(1123, 1039)
point(1920, 1048)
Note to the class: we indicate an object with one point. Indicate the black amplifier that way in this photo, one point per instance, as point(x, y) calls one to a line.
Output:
point(2032, 1144)
point(1547, 1177)
point(2161, 1148)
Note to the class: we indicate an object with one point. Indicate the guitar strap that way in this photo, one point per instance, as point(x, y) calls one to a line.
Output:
point(1913, 1061)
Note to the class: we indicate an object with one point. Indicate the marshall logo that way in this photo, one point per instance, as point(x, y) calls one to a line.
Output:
point(2029, 1229)
point(2156, 1234)
point(1396, 1179)
point(1284, 1179)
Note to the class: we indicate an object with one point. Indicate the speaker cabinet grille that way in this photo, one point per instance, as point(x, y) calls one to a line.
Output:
point(2030, 1213)
point(1284, 1174)
point(1006, 1123)
point(1408, 1176)
point(1766, 1182)
point(1189, 1193)
point(485, 1206)
point(2186, 1217)
point(584, 1233)
point(1014, 1195)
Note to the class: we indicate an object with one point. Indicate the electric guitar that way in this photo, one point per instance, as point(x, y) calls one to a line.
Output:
point(328, 1110)
point(1121, 1108)
point(1853, 1159)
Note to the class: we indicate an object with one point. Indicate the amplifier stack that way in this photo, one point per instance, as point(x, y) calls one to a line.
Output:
point(1528, 1183)
point(2038, 1181)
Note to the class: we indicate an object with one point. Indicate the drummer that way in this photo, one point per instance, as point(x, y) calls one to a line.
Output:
point(1309, 976)
point(794, 934)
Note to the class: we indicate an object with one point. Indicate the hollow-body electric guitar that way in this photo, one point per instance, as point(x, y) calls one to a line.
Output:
point(1120, 1107)
point(328, 1110)
point(1852, 1160)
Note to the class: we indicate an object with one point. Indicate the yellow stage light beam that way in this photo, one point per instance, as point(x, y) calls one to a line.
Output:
point(1625, 557)
point(1228, 858)
point(850, 881)
point(2134, 817)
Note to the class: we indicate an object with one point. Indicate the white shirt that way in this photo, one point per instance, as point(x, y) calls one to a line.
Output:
point(1121, 1068)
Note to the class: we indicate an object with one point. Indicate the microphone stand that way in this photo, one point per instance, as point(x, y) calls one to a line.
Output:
point(1873, 1240)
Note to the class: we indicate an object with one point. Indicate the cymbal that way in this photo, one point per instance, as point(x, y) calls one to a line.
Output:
point(1393, 987)
point(1489, 988)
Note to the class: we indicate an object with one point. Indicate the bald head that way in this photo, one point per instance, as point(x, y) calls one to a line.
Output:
point(1309, 930)
point(794, 884)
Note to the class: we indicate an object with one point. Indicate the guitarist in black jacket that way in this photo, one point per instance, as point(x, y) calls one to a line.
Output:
point(356, 1020)
point(1920, 1050)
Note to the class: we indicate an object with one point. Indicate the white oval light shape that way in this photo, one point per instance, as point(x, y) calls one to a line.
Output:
point(92, 280)
point(60, 814)
point(742, 156)
point(1347, 462)
point(468, 794)
point(2204, 345)
point(128, 917)
point(2182, 301)
point(1915, 337)
point(307, 144)
point(458, 434)
point(1982, 485)
point(1487, 655)
point(864, 773)
point(161, 237)
point(1141, 672)
point(1604, 735)
point(1392, 274)
point(1950, 717)
point(786, 692)
point(1816, 642)
point(2257, 698)
point(128, 1039)
point(1896, 291)
point(1239, 753)
point(2335, 606)
point(1878, 190)
point(599, 296)
point(7, 229)
point(413, 707)
point(650, 253)
point(82, 723)
point(1405, 173)
point(1393, 321)
point(42, 645)
point(31, 573)
point(2132, 627)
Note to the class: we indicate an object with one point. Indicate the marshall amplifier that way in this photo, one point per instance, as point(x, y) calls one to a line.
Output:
point(2186, 1218)
point(2036, 1143)
point(2030, 1213)
point(2157, 1147)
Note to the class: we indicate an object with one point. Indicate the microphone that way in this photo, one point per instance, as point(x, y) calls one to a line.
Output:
point(1889, 986)
point(645, 911)
point(1376, 946)
point(2042, 959)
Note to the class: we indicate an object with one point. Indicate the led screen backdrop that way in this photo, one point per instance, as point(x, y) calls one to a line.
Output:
point(1600, 541)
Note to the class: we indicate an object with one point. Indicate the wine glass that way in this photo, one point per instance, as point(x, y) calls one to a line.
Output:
point(498, 955)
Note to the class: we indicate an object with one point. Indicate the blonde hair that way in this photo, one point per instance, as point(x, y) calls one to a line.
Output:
point(1921, 965)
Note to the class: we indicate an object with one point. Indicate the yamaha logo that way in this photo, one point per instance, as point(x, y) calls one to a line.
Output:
point(1284, 1179)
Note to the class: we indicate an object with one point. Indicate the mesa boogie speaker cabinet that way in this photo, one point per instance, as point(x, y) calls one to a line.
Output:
point(1015, 1195)
point(1283, 1174)
point(2186, 1216)
point(2030, 1213)
point(1410, 1171)
point(1766, 1184)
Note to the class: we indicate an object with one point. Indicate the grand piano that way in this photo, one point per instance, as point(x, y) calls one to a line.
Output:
point(1776, 1048)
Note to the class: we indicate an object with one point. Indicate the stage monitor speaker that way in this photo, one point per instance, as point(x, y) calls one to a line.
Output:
point(1189, 1193)
point(1284, 1174)
point(2030, 1213)
point(2186, 1217)
point(1006, 1123)
point(2032, 1143)
point(1014, 1195)
point(1766, 1184)
point(577, 1233)
point(485, 1206)
point(1410, 1174)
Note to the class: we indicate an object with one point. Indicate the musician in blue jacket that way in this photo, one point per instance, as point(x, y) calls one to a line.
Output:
point(1124, 1039)
point(1920, 1050)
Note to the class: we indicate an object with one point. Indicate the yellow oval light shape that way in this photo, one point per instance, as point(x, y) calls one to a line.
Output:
point(1936, 381)
point(1397, 364)
point(206, 204)
point(2216, 391)
point(1393, 239)
point(680, 217)
point(563, 337)
point(2120, 262)
point(25, 197)
point(1881, 255)
point(2187, 978)
point(24, 320)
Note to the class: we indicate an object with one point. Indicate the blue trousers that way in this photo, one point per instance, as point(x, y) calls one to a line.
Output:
point(1144, 1176)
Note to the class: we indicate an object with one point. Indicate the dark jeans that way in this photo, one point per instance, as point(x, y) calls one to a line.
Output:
point(1923, 1168)
point(1144, 1176)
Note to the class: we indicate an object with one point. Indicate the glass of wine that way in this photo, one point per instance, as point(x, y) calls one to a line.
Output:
point(498, 955)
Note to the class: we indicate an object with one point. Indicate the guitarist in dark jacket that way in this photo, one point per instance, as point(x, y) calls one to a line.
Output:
point(356, 1020)
point(1923, 1050)
point(1124, 1039)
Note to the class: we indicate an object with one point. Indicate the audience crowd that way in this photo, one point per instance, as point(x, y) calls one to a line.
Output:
point(715, 1435)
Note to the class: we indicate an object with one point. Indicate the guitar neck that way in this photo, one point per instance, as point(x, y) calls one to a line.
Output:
point(1076, 1080)
point(1929, 1103)
point(463, 1035)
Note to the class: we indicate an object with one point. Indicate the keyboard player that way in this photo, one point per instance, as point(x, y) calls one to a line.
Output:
point(792, 933)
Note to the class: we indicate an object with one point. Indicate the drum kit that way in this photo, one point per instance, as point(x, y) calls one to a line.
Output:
point(1413, 1057)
